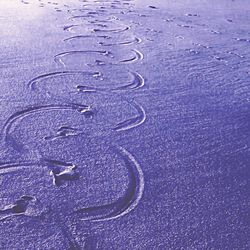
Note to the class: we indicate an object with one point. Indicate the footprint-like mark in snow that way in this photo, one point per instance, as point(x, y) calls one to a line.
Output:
point(80, 37)
point(62, 171)
point(63, 132)
point(83, 109)
point(235, 54)
point(136, 83)
point(19, 207)
point(134, 41)
point(192, 15)
point(59, 57)
point(32, 83)
point(111, 30)
point(84, 17)
point(70, 27)
point(184, 26)
point(242, 39)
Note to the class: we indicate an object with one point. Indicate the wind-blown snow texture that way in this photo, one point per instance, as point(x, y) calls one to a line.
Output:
point(124, 124)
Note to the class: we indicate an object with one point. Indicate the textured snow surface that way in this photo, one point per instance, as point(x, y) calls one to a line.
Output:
point(124, 124)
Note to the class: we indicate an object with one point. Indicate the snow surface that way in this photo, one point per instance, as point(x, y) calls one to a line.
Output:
point(124, 124)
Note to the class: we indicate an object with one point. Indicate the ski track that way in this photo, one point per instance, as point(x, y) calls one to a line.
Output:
point(106, 27)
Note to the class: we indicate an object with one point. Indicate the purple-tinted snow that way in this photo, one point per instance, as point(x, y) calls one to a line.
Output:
point(124, 124)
